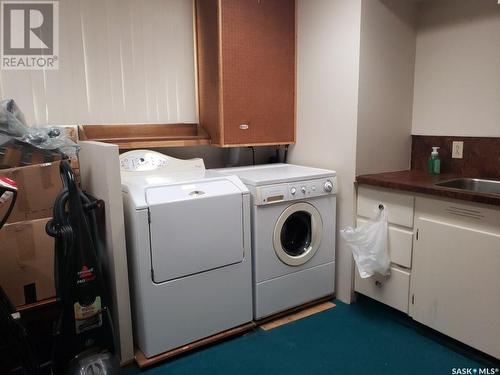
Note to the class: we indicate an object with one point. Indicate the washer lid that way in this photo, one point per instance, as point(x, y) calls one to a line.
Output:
point(269, 174)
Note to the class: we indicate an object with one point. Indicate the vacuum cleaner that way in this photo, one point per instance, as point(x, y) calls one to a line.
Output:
point(84, 338)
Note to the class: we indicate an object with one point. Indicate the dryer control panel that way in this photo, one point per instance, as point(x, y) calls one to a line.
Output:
point(295, 191)
point(151, 162)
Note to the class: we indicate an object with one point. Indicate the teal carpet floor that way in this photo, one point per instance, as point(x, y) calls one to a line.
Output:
point(363, 338)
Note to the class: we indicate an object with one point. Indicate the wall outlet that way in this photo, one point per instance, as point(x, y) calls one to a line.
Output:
point(457, 150)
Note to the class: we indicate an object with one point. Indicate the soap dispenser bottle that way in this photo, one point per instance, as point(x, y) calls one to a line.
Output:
point(434, 163)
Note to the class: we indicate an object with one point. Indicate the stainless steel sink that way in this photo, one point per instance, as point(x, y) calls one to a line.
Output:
point(472, 184)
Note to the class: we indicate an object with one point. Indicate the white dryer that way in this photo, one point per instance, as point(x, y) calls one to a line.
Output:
point(293, 234)
point(188, 247)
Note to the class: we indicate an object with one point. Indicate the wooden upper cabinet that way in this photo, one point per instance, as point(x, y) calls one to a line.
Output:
point(246, 70)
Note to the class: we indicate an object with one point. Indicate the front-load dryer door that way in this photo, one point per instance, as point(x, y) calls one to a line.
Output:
point(297, 234)
point(194, 228)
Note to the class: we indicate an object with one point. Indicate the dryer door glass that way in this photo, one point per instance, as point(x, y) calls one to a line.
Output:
point(297, 234)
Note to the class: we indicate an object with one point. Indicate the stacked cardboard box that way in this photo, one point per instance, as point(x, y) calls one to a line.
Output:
point(14, 153)
point(26, 251)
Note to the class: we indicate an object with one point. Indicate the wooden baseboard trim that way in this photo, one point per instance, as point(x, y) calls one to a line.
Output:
point(308, 311)
point(143, 361)
point(294, 310)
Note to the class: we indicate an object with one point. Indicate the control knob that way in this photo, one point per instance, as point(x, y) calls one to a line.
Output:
point(328, 186)
point(293, 191)
point(303, 189)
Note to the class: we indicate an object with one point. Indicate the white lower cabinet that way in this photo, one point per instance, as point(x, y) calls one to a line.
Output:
point(455, 282)
point(445, 270)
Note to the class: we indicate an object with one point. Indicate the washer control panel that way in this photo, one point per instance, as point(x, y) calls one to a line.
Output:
point(295, 190)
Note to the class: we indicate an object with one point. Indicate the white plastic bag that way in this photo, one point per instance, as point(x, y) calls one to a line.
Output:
point(368, 244)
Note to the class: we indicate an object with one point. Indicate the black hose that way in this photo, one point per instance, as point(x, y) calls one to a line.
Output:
point(253, 154)
point(60, 228)
point(9, 210)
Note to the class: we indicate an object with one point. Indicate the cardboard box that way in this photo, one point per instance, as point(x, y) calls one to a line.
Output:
point(38, 186)
point(27, 262)
point(14, 153)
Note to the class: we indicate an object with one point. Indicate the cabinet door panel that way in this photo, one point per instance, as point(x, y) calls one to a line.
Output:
point(456, 282)
point(258, 70)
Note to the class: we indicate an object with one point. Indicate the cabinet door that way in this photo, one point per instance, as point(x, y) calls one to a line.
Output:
point(258, 71)
point(456, 282)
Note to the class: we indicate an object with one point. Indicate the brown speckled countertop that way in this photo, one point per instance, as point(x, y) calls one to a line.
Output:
point(421, 182)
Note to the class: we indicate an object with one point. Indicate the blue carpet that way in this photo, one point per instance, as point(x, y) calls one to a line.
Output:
point(363, 338)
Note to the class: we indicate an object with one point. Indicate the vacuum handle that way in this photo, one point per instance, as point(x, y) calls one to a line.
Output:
point(8, 192)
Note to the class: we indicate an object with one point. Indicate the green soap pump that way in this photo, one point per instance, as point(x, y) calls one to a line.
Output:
point(434, 163)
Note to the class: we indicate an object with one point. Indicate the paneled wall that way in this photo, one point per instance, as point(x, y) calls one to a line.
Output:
point(120, 61)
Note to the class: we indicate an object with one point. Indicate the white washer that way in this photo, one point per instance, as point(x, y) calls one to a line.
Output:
point(189, 252)
point(293, 234)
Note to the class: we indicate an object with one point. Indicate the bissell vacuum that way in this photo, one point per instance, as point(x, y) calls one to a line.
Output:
point(84, 338)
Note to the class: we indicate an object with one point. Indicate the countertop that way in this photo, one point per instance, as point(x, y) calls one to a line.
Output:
point(421, 182)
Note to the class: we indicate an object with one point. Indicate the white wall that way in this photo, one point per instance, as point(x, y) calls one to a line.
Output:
point(387, 63)
point(457, 75)
point(327, 103)
point(120, 61)
point(218, 157)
